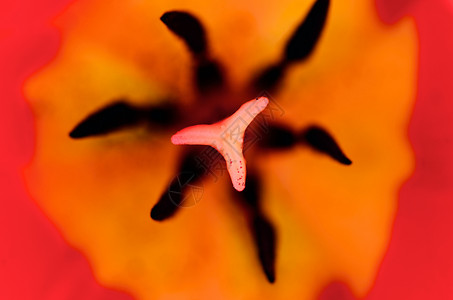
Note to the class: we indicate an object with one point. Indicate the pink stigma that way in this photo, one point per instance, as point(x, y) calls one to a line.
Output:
point(227, 137)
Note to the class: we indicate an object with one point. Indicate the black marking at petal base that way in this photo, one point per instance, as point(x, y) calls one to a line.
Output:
point(187, 27)
point(269, 78)
point(304, 39)
point(189, 173)
point(278, 137)
point(322, 141)
point(264, 235)
point(208, 76)
point(163, 115)
point(108, 119)
point(251, 194)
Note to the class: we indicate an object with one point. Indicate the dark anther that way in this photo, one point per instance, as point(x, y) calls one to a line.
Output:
point(304, 39)
point(298, 48)
point(264, 235)
point(262, 229)
point(188, 175)
point(322, 141)
point(187, 27)
point(120, 115)
point(111, 118)
point(208, 74)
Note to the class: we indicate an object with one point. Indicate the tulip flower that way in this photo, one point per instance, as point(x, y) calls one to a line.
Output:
point(149, 163)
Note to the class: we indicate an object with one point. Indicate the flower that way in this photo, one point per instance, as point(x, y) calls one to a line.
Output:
point(332, 223)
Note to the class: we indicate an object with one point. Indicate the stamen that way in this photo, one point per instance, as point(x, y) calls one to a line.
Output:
point(188, 174)
point(298, 48)
point(187, 27)
point(262, 229)
point(279, 137)
point(306, 36)
point(322, 141)
point(120, 115)
point(208, 75)
point(265, 240)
